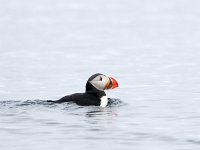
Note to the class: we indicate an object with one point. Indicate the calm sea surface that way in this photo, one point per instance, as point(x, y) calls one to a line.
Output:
point(49, 48)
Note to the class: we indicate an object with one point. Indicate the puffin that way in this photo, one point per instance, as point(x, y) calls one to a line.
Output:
point(94, 92)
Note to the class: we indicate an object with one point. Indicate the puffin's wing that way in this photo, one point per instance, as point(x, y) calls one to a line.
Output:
point(62, 100)
point(82, 99)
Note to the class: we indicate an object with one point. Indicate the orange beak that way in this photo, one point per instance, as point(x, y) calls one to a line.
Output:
point(112, 84)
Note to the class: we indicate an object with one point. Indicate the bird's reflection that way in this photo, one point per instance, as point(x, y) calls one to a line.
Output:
point(100, 118)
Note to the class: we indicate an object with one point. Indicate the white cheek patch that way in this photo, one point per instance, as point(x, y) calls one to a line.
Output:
point(100, 85)
point(104, 101)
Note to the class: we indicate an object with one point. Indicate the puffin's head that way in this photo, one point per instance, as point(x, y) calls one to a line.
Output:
point(102, 82)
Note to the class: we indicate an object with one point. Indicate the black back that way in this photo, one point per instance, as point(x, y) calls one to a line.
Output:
point(83, 99)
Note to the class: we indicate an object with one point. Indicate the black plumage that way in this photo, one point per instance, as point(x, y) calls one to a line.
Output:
point(82, 99)
point(92, 95)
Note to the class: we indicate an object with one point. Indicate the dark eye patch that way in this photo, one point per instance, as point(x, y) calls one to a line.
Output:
point(100, 78)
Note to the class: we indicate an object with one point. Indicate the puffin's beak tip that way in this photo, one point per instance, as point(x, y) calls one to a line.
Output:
point(114, 83)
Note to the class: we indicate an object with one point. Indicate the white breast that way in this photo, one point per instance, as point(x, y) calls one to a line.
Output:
point(104, 101)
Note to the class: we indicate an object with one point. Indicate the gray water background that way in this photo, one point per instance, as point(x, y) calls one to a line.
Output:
point(48, 49)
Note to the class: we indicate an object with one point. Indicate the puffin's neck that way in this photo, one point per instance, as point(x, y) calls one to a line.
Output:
point(101, 94)
point(91, 89)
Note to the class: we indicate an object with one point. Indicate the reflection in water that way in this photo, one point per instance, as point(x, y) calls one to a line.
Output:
point(101, 115)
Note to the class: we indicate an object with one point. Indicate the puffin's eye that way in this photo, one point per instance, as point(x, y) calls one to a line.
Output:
point(100, 78)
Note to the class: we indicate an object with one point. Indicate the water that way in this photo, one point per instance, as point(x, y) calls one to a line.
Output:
point(48, 49)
